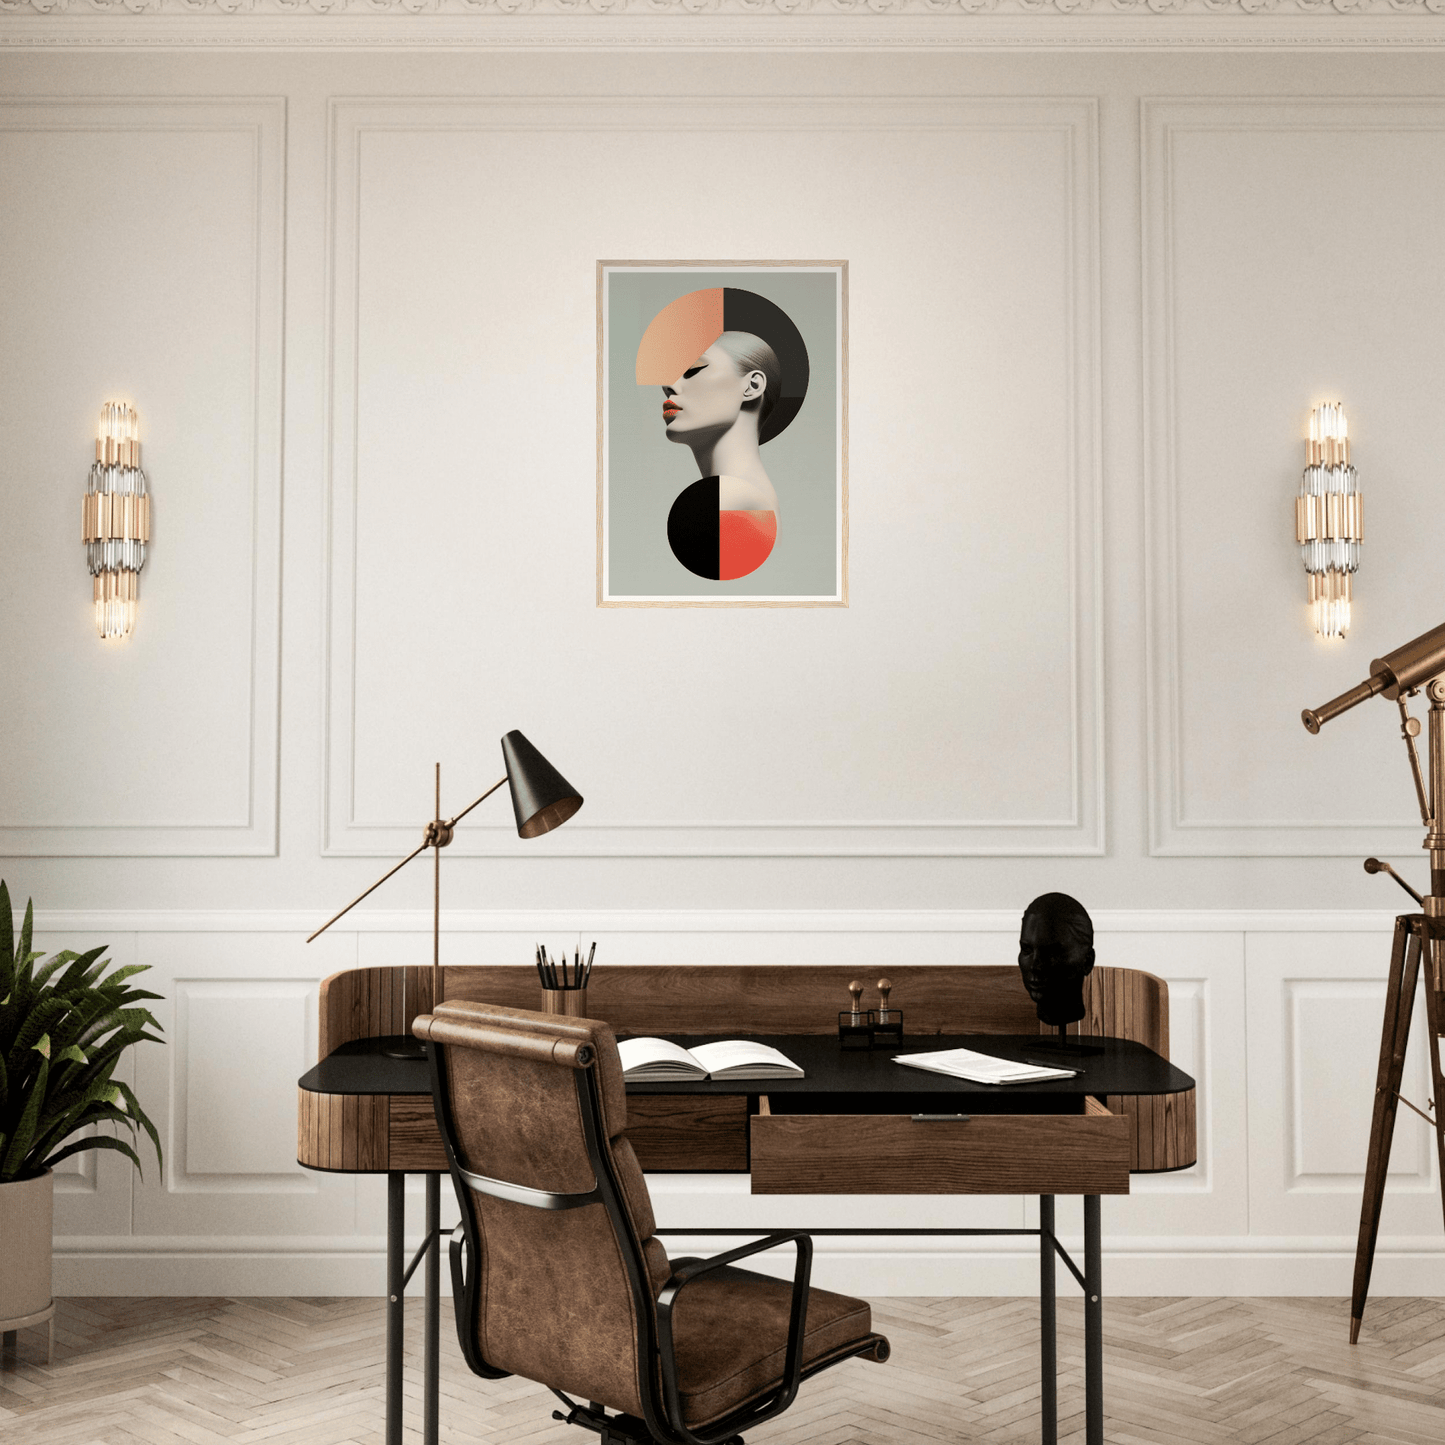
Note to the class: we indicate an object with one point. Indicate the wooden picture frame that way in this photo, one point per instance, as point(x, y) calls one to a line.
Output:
point(722, 433)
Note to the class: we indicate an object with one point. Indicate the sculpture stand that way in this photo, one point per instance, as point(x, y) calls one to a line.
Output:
point(1419, 938)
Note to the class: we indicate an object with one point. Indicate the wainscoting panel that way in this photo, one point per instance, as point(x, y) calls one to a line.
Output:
point(1316, 1004)
point(1276, 1015)
point(996, 513)
point(1250, 320)
point(240, 1019)
point(157, 246)
point(239, 1040)
point(1207, 1033)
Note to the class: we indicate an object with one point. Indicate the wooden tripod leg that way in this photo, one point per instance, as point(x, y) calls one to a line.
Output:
point(1399, 1006)
point(1433, 977)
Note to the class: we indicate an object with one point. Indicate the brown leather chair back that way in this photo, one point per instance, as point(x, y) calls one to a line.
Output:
point(555, 1278)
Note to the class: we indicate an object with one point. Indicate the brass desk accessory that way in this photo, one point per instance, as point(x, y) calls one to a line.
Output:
point(542, 799)
point(853, 1029)
point(1398, 676)
point(886, 1022)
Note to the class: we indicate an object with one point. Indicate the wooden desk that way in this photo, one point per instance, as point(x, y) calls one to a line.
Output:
point(384, 1132)
point(1129, 1111)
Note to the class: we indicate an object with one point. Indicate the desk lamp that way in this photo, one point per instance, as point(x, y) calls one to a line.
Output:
point(542, 799)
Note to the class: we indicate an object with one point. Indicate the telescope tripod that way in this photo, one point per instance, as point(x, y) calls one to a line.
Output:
point(1417, 939)
point(1419, 943)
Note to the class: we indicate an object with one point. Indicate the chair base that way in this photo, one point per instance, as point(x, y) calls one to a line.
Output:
point(614, 1429)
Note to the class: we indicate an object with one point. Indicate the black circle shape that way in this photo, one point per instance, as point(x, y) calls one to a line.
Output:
point(747, 311)
point(693, 528)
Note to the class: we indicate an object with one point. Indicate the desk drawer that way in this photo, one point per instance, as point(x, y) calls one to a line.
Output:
point(682, 1132)
point(1083, 1153)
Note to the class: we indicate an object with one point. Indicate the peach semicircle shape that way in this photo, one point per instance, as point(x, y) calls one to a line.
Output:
point(678, 335)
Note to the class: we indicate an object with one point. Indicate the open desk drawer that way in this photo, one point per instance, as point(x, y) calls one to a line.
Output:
point(1085, 1151)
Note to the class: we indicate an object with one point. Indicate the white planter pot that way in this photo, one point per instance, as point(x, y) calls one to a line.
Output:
point(26, 1230)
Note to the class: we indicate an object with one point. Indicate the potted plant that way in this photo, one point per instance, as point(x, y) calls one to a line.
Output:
point(63, 1027)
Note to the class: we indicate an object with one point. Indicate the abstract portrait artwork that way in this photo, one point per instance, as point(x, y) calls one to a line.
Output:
point(722, 466)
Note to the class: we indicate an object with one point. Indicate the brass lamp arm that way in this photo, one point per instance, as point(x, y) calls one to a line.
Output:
point(421, 848)
point(482, 799)
point(431, 840)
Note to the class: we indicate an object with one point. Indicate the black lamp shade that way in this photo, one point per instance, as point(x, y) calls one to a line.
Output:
point(542, 798)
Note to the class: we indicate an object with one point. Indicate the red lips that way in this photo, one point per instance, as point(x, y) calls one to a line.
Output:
point(670, 409)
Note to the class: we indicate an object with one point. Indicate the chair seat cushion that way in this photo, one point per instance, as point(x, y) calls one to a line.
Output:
point(730, 1333)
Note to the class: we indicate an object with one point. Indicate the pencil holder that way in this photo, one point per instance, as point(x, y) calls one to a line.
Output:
point(886, 1027)
point(569, 1001)
point(853, 1030)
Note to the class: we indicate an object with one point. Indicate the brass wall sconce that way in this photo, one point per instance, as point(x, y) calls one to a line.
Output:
point(116, 519)
point(1329, 519)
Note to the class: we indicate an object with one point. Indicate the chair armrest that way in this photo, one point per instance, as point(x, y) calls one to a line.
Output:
point(797, 1323)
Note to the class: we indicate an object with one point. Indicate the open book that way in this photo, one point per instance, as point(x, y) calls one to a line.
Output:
point(981, 1068)
point(655, 1061)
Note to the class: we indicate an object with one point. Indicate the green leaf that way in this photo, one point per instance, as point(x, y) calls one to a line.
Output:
point(49, 1011)
point(14, 1159)
point(98, 1141)
point(51, 967)
point(140, 1114)
point(74, 976)
point(7, 937)
point(64, 1025)
point(129, 971)
point(27, 929)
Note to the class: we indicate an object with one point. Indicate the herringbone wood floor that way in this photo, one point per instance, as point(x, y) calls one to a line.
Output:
point(1179, 1372)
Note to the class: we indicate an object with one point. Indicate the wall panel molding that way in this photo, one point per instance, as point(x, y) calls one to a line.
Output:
point(238, 1220)
point(720, 25)
point(115, 923)
point(1075, 122)
point(1179, 826)
point(253, 830)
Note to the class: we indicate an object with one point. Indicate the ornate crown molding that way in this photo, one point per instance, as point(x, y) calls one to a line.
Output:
point(644, 8)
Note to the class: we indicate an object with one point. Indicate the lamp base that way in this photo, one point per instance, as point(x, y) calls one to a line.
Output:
point(402, 1046)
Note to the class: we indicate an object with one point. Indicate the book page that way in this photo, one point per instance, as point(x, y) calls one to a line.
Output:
point(741, 1053)
point(653, 1053)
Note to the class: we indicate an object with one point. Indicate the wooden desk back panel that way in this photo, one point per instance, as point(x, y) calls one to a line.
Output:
point(935, 999)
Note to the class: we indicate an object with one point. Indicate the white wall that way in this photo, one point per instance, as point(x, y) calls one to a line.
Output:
point(1093, 296)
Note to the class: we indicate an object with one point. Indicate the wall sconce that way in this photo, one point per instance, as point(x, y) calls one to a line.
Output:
point(1329, 519)
point(116, 519)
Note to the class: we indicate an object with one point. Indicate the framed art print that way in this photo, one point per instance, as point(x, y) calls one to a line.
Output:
point(722, 438)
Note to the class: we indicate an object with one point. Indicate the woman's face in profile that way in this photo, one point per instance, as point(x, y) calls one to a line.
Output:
point(708, 396)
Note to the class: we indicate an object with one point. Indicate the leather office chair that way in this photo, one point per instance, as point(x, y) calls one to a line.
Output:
point(556, 1273)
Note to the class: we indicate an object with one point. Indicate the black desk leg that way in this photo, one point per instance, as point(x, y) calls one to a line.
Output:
point(395, 1299)
point(1048, 1328)
point(1093, 1325)
point(433, 1307)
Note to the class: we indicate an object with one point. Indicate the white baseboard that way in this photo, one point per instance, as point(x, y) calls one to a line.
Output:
point(918, 1267)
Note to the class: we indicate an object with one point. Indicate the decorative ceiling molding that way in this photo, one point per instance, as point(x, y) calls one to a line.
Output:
point(881, 8)
point(703, 26)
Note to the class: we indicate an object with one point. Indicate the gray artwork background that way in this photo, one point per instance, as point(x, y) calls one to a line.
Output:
point(645, 471)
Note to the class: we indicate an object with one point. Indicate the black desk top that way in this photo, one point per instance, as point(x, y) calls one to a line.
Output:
point(1119, 1067)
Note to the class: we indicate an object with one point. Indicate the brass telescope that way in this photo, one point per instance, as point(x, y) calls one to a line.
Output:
point(1419, 945)
point(1402, 670)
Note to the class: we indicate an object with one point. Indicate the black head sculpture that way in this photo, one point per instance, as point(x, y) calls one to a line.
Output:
point(1056, 954)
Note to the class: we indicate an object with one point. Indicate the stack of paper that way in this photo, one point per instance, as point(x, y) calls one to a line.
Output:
point(981, 1068)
